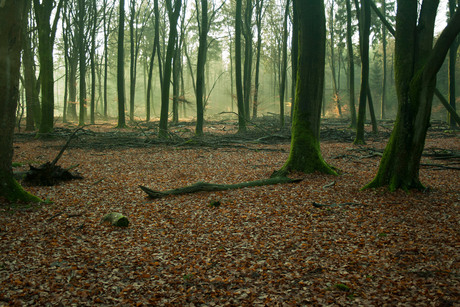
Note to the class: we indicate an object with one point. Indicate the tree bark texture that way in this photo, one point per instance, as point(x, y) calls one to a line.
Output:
point(417, 62)
point(12, 21)
point(305, 154)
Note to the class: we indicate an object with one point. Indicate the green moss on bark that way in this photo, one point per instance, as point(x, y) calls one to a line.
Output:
point(13, 191)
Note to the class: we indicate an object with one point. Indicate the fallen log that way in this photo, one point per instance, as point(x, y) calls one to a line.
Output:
point(210, 187)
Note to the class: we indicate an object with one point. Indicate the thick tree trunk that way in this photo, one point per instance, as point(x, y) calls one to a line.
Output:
point(12, 21)
point(305, 154)
point(416, 63)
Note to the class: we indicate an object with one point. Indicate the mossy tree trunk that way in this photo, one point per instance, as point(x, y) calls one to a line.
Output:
point(416, 65)
point(12, 21)
point(305, 154)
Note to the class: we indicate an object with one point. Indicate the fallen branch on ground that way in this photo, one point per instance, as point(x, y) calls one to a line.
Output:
point(209, 187)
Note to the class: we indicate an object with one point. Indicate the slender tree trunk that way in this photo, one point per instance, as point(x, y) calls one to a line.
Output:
point(294, 51)
point(200, 66)
point(384, 64)
point(451, 69)
point(93, 62)
point(247, 58)
point(121, 67)
point(305, 154)
point(13, 16)
point(238, 60)
point(82, 60)
point(332, 61)
point(32, 101)
point(351, 67)
point(364, 23)
point(284, 63)
point(259, 13)
point(156, 42)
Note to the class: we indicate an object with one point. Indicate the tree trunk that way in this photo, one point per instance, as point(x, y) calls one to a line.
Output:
point(294, 51)
point(416, 65)
point(364, 25)
point(351, 67)
point(305, 154)
point(32, 100)
point(247, 58)
point(200, 66)
point(259, 13)
point(173, 16)
point(238, 78)
point(451, 69)
point(13, 16)
point(93, 62)
point(384, 64)
point(156, 42)
point(82, 60)
point(121, 67)
point(284, 63)
point(336, 96)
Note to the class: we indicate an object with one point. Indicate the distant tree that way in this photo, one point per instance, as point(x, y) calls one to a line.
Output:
point(46, 36)
point(13, 16)
point(82, 59)
point(31, 84)
point(284, 63)
point(305, 154)
point(260, 11)
point(351, 66)
point(156, 48)
point(417, 61)
point(121, 67)
point(106, 20)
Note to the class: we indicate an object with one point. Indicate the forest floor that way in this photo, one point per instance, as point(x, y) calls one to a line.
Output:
point(265, 245)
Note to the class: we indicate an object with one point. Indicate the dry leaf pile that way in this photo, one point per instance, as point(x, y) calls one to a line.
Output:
point(261, 246)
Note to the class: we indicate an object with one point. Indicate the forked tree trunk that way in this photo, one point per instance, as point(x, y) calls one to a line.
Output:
point(416, 66)
point(305, 154)
point(173, 16)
